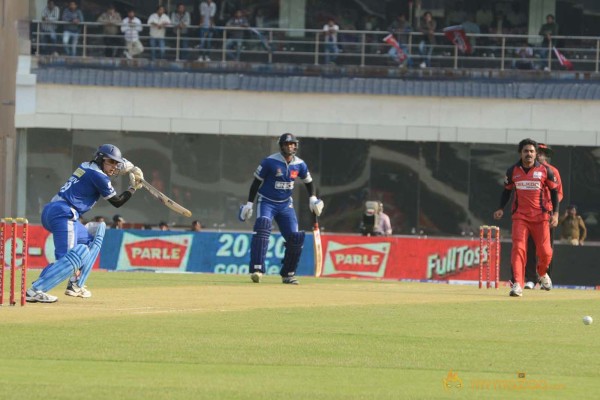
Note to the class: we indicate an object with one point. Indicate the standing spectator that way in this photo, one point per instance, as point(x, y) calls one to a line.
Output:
point(71, 31)
point(330, 30)
point(208, 10)
point(529, 179)
point(400, 29)
point(181, 21)
point(118, 222)
point(549, 29)
point(158, 23)
point(384, 226)
point(50, 14)
point(543, 156)
point(572, 227)
point(235, 37)
point(196, 226)
point(131, 27)
point(111, 20)
point(428, 26)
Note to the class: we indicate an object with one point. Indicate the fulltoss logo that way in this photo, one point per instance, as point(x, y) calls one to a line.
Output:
point(155, 252)
point(368, 259)
point(454, 261)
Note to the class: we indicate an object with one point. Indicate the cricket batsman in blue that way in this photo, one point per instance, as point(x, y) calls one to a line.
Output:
point(274, 182)
point(76, 247)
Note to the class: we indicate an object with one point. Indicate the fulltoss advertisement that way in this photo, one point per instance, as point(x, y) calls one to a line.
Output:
point(229, 253)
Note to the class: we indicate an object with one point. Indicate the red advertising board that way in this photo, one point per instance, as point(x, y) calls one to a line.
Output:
point(400, 258)
point(41, 247)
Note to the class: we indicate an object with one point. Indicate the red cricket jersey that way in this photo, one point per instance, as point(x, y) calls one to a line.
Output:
point(529, 201)
point(559, 187)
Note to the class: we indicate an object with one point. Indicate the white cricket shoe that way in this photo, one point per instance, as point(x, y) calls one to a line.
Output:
point(74, 290)
point(530, 285)
point(516, 290)
point(545, 282)
point(256, 277)
point(37, 296)
point(290, 280)
point(128, 55)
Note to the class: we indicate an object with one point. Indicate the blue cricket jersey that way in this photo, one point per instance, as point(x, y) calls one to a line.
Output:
point(83, 189)
point(278, 176)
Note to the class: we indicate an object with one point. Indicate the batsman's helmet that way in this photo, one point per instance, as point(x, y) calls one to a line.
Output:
point(285, 139)
point(108, 151)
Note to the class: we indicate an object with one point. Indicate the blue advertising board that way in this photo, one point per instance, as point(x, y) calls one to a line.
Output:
point(213, 252)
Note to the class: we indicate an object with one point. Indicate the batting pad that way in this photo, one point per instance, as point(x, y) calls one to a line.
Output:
point(61, 269)
point(89, 261)
point(260, 244)
point(293, 251)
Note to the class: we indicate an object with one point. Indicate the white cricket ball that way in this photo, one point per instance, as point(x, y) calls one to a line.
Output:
point(587, 320)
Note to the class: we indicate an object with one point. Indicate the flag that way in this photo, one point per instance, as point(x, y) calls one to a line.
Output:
point(563, 60)
point(456, 34)
point(389, 39)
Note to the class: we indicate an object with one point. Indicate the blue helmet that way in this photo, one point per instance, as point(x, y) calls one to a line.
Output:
point(287, 138)
point(108, 151)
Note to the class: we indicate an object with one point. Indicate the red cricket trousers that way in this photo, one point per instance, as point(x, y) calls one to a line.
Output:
point(540, 232)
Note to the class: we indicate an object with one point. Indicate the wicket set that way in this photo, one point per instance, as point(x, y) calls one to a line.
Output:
point(12, 225)
point(489, 255)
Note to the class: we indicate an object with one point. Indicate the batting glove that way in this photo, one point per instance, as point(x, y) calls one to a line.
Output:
point(245, 211)
point(316, 205)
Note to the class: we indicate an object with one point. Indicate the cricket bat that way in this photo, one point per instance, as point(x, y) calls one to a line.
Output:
point(178, 208)
point(318, 247)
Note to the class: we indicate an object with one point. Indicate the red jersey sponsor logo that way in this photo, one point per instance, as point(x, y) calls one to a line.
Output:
point(364, 259)
point(293, 174)
point(528, 185)
point(155, 252)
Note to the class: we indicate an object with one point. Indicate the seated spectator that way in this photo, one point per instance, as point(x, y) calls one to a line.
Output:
point(196, 226)
point(163, 226)
point(524, 56)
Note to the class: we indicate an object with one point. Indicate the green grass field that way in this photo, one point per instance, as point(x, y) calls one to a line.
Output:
point(192, 336)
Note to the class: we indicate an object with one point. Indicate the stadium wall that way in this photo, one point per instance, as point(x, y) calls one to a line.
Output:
point(380, 117)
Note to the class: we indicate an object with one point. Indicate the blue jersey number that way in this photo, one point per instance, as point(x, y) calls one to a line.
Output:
point(69, 183)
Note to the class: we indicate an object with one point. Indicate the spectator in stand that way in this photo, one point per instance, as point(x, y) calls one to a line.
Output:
point(427, 28)
point(524, 56)
point(74, 17)
point(181, 21)
point(516, 18)
point(111, 20)
point(98, 218)
point(208, 10)
point(131, 27)
point(384, 227)
point(330, 31)
point(118, 222)
point(235, 37)
point(163, 226)
point(549, 29)
point(572, 227)
point(400, 29)
point(48, 38)
point(196, 226)
point(158, 23)
point(484, 17)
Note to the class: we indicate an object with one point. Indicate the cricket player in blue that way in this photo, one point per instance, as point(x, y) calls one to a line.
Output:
point(274, 182)
point(76, 248)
